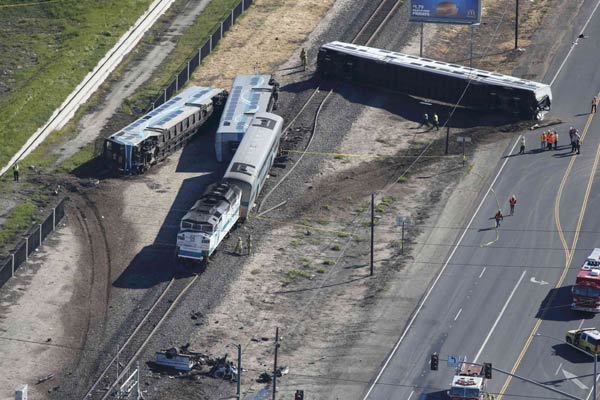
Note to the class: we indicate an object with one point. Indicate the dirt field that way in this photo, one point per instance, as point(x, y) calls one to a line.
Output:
point(308, 274)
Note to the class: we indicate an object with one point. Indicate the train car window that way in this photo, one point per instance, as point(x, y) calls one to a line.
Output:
point(264, 122)
point(193, 118)
point(242, 168)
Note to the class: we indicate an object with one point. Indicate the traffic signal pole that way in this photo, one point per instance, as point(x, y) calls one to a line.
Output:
point(565, 394)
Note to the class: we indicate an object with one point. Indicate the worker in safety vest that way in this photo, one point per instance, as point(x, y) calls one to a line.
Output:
point(303, 59)
point(499, 217)
point(549, 139)
point(543, 140)
point(436, 121)
point(16, 172)
point(239, 248)
point(249, 245)
point(513, 202)
point(555, 140)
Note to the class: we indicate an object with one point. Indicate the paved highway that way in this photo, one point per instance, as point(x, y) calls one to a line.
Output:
point(500, 288)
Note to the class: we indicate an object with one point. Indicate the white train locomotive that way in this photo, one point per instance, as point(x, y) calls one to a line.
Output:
point(436, 80)
point(223, 204)
point(162, 131)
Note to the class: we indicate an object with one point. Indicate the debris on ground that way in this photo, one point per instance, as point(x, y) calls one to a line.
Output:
point(44, 379)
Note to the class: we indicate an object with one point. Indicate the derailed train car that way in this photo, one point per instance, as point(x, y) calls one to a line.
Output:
point(223, 204)
point(436, 80)
point(250, 94)
point(164, 130)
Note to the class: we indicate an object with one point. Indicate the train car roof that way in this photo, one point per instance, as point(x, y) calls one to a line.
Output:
point(426, 64)
point(254, 147)
point(167, 114)
point(249, 94)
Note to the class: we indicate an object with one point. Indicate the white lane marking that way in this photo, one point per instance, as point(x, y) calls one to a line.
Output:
point(581, 324)
point(573, 378)
point(459, 311)
point(533, 280)
point(482, 272)
point(410, 395)
point(592, 391)
point(573, 45)
point(558, 369)
point(499, 316)
point(439, 275)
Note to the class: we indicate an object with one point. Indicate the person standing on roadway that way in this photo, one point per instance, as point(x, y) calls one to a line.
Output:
point(513, 202)
point(522, 149)
point(594, 105)
point(543, 141)
point(574, 134)
point(578, 143)
point(549, 139)
point(499, 217)
point(555, 140)
point(436, 121)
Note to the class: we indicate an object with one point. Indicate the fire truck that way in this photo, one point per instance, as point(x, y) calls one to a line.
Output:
point(469, 382)
point(586, 291)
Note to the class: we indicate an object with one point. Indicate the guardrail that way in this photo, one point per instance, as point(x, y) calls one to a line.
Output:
point(196, 59)
point(32, 240)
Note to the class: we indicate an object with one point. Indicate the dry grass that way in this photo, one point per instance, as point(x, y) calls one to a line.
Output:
point(263, 41)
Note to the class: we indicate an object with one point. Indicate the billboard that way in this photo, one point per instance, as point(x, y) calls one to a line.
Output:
point(446, 12)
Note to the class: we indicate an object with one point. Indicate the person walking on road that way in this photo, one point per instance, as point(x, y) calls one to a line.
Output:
point(555, 140)
point(16, 172)
point(549, 139)
point(303, 59)
point(513, 202)
point(239, 248)
point(594, 105)
point(499, 217)
point(436, 121)
point(522, 149)
point(543, 141)
point(577, 143)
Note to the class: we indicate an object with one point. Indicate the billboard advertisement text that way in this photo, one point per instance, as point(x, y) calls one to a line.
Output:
point(446, 12)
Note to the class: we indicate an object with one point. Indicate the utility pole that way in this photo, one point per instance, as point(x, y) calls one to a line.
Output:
point(517, 25)
point(275, 363)
point(402, 243)
point(471, 52)
point(239, 373)
point(372, 228)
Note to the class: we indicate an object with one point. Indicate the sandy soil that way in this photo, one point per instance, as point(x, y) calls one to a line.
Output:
point(42, 321)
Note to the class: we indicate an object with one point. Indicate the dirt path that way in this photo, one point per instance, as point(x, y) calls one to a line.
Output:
point(44, 315)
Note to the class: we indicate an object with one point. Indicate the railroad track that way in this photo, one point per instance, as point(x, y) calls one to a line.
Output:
point(136, 342)
point(382, 14)
point(103, 387)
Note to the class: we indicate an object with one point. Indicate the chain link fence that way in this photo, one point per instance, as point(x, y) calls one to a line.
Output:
point(196, 59)
point(32, 240)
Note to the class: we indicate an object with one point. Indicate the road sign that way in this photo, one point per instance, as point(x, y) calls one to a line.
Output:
point(452, 361)
point(463, 139)
point(402, 221)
